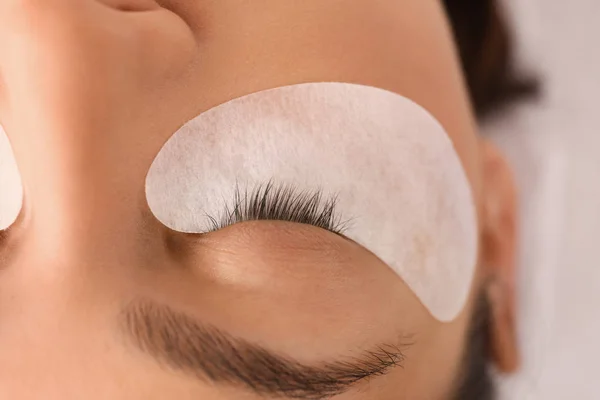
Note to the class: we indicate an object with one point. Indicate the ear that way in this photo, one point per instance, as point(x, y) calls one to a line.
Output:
point(499, 239)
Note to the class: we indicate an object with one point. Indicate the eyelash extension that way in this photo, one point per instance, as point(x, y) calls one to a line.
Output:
point(273, 202)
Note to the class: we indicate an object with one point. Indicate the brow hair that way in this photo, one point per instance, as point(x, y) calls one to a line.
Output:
point(180, 342)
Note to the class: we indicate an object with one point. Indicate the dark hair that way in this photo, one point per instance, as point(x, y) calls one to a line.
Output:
point(475, 381)
point(485, 46)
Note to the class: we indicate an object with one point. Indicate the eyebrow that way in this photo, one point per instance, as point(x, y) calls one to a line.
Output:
point(179, 341)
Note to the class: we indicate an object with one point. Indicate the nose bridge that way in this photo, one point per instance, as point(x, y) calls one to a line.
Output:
point(77, 188)
point(84, 91)
point(79, 170)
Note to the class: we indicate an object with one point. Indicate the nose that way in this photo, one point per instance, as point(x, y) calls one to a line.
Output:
point(79, 101)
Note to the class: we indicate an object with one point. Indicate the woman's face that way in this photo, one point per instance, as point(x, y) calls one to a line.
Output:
point(99, 300)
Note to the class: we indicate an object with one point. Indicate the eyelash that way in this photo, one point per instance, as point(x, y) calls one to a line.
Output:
point(273, 202)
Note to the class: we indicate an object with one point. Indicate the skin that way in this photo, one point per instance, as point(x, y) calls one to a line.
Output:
point(89, 92)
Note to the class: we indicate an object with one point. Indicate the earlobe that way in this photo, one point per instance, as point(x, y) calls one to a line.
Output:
point(499, 254)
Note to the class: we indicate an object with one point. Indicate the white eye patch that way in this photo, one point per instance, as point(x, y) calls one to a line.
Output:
point(11, 189)
point(397, 179)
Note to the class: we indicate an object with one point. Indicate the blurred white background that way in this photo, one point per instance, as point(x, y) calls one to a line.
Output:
point(554, 146)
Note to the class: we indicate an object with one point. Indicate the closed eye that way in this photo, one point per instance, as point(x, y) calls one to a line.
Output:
point(271, 202)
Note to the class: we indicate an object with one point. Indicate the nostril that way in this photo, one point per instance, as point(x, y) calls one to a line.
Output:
point(131, 5)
